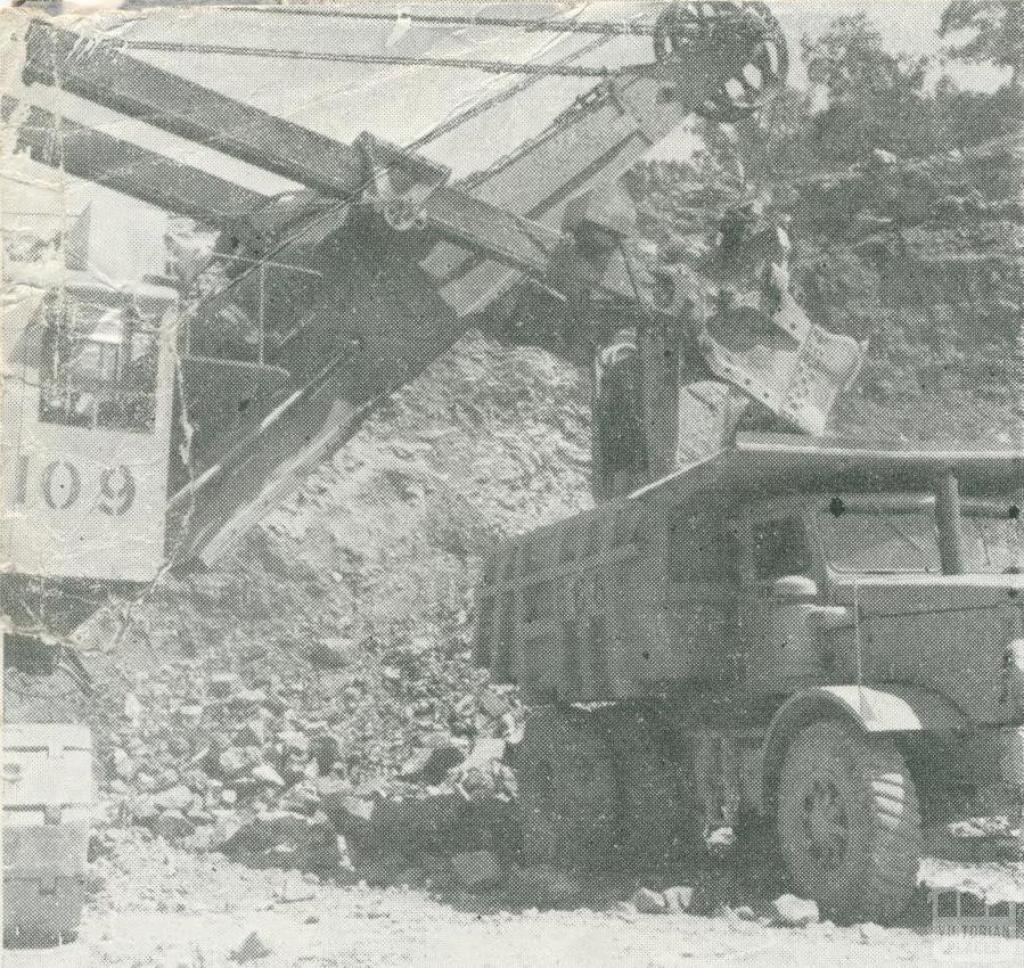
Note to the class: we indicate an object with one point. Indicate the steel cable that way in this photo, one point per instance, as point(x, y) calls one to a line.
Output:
point(400, 60)
point(555, 25)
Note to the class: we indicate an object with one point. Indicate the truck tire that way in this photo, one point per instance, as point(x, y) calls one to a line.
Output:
point(849, 822)
point(567, 790)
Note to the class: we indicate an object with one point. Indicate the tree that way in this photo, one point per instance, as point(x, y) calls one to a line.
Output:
point(848, 59)
point(874, 99)
point(998, 33)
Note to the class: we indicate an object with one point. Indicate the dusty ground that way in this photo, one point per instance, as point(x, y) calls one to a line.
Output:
point(154, 907)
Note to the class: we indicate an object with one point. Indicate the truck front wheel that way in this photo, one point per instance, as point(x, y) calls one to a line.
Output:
point(849, 822)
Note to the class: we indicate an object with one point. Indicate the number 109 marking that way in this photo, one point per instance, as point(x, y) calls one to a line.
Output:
point(60, 486)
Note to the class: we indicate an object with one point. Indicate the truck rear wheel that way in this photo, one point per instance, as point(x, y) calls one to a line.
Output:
point(849, 822)
point(567, 790)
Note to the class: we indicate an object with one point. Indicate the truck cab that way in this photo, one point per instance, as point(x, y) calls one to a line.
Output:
point(852, 587)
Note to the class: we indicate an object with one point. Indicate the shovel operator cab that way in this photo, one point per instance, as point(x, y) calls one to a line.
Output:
point(87, 399)
point(824, 635)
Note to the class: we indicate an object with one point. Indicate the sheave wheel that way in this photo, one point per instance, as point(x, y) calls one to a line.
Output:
point(849, 822)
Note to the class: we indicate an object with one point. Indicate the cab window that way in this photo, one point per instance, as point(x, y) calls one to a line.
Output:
point(781, 547)
point(880, 541)
point(994, 541)
point(98, 367)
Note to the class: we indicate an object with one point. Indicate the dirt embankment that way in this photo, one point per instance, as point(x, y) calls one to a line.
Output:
point(321, 674)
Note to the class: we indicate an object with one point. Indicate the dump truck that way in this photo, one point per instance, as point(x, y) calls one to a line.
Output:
point(806, 632)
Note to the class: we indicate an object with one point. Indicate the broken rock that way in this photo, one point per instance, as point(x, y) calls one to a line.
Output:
point(190, 713)
point(282, 839)
point(221, 684)
point(330, 653)
point(226, 824)
point(132, 708)
point(795, 912)
point(431, 764)
point(237, 759)
point(295, 741)
point(494, 704)
point(351, 814)
point(484, 752)
point(324, 750)
point(124, 766)
point(173, 825)
point(248, 699)
point(647, 901)
point(678, 899)
point(251, 949)
point(253, 733)
point(178, 797)
point(265, 773)
point(301, 798)
point(142, 808)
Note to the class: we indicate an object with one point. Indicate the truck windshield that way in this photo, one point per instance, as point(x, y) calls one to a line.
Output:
point(880, 541)
point(994, 542)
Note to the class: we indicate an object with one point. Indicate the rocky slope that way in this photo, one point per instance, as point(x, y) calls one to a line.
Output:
point(325, 664)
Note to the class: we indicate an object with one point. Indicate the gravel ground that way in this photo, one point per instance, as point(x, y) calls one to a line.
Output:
point(156, 907)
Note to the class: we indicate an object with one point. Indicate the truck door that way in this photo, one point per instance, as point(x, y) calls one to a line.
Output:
point(780, 576)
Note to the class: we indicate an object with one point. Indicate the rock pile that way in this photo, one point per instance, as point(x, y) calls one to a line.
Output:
point(317, 681)
point(271, 768)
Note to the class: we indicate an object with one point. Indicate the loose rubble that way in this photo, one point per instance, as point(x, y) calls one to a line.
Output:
point(246, 770)
point(251, 949)
point(317, 684)
point(672, 900)
point(678, 899)
point(795, 912)
point(647, 901)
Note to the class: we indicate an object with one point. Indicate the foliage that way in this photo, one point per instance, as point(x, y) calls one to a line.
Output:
point(997, 28)
point(873, 99)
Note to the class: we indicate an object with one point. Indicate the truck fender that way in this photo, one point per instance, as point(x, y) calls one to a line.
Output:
point(894, 709)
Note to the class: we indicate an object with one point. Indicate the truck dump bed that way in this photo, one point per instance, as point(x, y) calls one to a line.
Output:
point(637, 594)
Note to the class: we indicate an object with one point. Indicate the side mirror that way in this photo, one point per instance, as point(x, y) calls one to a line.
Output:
point(795, 588)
